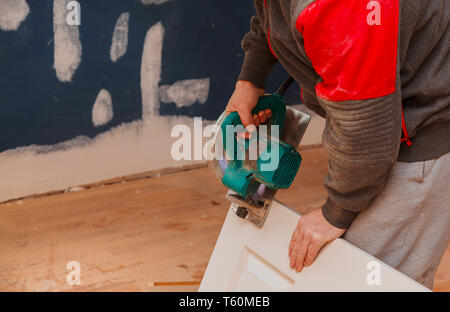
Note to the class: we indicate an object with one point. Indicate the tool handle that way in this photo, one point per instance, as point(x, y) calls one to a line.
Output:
point(277, 105)
point(274, 102)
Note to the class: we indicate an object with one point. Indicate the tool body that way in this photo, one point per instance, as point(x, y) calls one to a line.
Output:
point(253, 181)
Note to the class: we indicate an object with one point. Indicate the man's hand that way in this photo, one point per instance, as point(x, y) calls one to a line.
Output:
point(244, 99)
point(312, 233)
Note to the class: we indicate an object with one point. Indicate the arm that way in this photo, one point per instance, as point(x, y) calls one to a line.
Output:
point(359, 91)
point(258, 63)
point(258, 60)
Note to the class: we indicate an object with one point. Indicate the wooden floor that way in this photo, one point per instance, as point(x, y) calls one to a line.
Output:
point(147, 235)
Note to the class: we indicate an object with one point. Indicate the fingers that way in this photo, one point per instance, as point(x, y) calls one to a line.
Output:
point(246, 118)
point(313, 250)
point(262, 116)
point(303, 248)
point(244, 114)
point(313, 231)
point(256, 119)
point(293, 240)
point(302, 251)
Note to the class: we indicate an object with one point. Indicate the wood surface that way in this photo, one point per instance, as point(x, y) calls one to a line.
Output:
point(136, 235)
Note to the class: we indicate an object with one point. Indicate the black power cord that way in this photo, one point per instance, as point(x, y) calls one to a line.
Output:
point(286, 84)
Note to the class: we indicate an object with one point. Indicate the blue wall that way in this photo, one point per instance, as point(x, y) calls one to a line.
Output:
point(202, 40)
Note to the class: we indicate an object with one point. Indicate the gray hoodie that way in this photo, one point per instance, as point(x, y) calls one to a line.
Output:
point(360, 64)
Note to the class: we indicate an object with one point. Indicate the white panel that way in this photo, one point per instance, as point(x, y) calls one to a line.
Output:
point(247, 258)
point(255, 273)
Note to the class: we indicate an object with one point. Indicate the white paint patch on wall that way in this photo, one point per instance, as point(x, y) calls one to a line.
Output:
point(12, 14)
point(102, 111)
point(154, 1)
point(119, 43)
point(67, 44)
point(151, 70)
point(185, 92)
point(130, 148)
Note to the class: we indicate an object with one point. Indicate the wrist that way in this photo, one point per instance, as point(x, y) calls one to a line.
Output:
point(336, 216)
point(249, 84)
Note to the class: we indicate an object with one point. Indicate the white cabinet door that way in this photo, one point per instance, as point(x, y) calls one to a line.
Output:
point(247, 258)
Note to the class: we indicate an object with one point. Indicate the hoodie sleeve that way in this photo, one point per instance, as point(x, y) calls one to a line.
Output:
point(258, 60)
point(353, 47)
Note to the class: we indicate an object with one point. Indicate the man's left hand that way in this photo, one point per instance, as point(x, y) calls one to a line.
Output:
point(312, 233)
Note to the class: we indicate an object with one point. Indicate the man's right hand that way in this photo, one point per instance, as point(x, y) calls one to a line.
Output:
point(244, 99)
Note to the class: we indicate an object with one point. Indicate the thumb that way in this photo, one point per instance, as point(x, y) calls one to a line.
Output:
point(246, 118)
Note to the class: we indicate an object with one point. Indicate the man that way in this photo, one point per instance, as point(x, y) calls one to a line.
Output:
point(379, 72)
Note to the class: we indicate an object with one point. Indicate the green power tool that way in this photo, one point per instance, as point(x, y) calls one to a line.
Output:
point(259, 163)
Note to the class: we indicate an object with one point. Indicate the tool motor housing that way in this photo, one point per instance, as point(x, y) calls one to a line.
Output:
point(244, 176)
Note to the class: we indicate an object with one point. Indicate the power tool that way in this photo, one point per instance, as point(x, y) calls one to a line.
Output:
point(254, 175)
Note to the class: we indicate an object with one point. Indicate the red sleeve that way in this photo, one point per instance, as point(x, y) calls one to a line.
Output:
point(352, 45)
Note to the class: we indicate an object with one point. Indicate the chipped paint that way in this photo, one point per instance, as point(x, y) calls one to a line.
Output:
point(102, 111)
point(119, 43)
point(12, 14)
point(151, 70)
point(185, 92)
point(67, 44)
